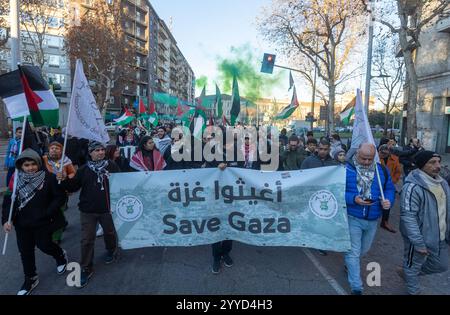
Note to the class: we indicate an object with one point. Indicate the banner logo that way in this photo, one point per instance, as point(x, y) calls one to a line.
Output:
point(129, 208)
point(323, 204)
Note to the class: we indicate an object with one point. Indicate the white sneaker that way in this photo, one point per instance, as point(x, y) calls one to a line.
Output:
point(99, 231)
point(28, 286)
point(61, 269)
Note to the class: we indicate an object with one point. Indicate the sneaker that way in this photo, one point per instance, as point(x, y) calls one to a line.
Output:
point(61, 268)
point(110, 257)
point(99, 231)
point(356, 292)
point(28, 285)
point(85, 276)
point(385, 225)
point(227, 261)
point(216, 266)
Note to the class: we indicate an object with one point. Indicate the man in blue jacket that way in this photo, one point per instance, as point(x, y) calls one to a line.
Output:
point(12, 153)
point(364, 207)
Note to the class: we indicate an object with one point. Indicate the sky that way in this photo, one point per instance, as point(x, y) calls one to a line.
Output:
point(206, 29)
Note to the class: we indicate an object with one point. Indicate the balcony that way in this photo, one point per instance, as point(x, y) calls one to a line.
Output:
point(443, 25)
point(142, 50)
point(139, 4)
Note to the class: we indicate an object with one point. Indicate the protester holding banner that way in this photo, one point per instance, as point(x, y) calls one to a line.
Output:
point(36, 216)
point(321, 159)
point(293, 157)
point(53, 163)
point(147, 157)
point(424, 221)
point(364, 206)
point(94, 205)
point(311, 146)
point(113, 154)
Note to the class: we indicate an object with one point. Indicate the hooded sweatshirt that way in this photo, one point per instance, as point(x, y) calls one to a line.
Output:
point(420, 221)
point(44, 208)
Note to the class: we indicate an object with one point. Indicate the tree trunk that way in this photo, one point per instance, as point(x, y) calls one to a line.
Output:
point(411, 129)
point(107, 97)
point(331, 101)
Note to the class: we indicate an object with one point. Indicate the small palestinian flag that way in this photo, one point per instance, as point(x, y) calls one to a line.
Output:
point(153, 115)
point(125, 119)
point(348, 112)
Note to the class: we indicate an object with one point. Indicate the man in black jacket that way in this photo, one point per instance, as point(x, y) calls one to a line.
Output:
point(322, 158)
point(36, 215)
point(94, 205)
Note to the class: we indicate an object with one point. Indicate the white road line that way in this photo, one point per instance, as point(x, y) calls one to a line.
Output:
point(334, 284)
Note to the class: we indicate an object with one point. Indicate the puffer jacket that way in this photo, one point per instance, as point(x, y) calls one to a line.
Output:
point(374, 211)
point(419, 221)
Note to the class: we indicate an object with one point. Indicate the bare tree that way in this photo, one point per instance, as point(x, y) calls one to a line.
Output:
point(37, 17)
point(100, 41)
point(4, 29)
point(414, 16)
point(390, 74)
point(323, 31)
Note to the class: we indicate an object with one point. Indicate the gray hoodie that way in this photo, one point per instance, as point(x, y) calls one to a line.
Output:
point(419, 219)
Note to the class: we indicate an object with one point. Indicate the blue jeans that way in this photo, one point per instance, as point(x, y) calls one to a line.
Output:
point(362, 233)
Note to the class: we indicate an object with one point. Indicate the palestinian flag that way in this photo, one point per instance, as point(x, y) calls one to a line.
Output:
point(125, 119)
point(290, 109)
point(141, 109)
point(25, 92)
point(153, 115)
point(198, 125)
point(236, 102)
point(179, 110)
point(225, 121)
point(348, 112)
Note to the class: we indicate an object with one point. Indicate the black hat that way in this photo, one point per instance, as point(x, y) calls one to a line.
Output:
point(423, 157)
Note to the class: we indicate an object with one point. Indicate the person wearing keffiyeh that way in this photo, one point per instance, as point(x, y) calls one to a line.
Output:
point(147, 157)
point(36, 215)
point(53, 162)
point(94, 205)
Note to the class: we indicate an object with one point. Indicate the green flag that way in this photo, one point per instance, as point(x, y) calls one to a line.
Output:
point(219, 103)
point(236, 102)
point(290, 109)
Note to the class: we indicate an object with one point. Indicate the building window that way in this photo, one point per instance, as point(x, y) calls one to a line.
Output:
point(53, 61)
point(53, 41)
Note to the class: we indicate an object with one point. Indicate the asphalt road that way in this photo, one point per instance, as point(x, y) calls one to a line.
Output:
point(186, 271)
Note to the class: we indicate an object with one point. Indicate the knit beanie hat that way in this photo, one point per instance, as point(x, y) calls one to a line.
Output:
point(423, 157)
point(95, 145)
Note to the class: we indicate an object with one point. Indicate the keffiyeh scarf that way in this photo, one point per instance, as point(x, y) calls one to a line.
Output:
point(99, 168)
point(364, 178)
point(28, 185)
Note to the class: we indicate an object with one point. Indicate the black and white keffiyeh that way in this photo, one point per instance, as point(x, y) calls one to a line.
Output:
point(364, 178)
point(27, 186)
point(99, 168)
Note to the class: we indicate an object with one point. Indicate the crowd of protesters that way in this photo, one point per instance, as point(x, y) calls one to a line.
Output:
point(43, 191)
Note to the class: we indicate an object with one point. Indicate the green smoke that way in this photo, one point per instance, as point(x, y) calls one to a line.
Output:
point(201, 82)
point(246, 64)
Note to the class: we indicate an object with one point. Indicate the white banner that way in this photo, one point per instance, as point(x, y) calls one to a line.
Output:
point(85, 120)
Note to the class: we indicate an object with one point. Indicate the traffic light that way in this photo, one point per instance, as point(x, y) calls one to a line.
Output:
point(268, 63)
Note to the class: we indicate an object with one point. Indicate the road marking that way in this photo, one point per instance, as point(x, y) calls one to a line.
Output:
point(334, 284)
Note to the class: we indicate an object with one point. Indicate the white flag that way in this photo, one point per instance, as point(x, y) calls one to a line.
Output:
point(85, 120)
point(361, 127)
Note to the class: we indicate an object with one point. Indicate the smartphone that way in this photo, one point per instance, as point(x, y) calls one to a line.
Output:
point(369, 200)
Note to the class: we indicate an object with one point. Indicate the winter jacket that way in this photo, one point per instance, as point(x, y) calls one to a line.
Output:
point(12, 152)
point(44, 209)
point(406, 157)
point(374, 211)
point(419, 222)
point(314, 161)
point(394, 167)
point(92, 198)
point(292, 160)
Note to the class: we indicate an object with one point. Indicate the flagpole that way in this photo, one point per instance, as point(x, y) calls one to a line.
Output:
point(67, 125)
point(13, 196)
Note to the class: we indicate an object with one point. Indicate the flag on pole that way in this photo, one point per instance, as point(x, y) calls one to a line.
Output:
point(199, 124)
point(19, 87)
point(153, 115)
point(85, 120)
point(291, 80)
point(141, 111)
point(361, 128)
point(179, 110)
point(236, 102)
point(125, 119)
point(219, 103)
point(348, 112)
point(225, 121)
point(290, 109)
